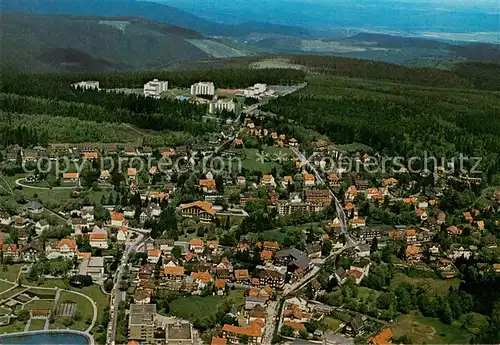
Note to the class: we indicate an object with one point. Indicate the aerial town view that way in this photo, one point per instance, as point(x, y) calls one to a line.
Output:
point(238, 188)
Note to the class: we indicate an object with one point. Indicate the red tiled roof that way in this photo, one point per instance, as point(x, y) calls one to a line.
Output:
point(218, 341)
point(253, 330)
point(70, 242)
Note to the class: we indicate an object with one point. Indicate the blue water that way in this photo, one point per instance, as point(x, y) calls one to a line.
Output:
point(52, 338)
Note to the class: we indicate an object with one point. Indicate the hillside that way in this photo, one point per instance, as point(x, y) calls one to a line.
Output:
point(148, 10)
point(71, 43)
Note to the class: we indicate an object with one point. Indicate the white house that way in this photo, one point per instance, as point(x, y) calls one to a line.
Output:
point(41, 226)
point(65, 249)
point(5, 218)
point(98, 238)
point(196, 246)
point(117, 219)
point(122, 234)
point(154, 256)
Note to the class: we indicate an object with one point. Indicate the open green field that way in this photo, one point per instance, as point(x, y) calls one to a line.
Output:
point(39, 304)
point(4, 286)
point(49, 283)
point(331, 323)
point(474, 322)
point(11, 293)
point(83, 309)
point(279, 235)
point(42, 292)
point(4, 311)
point(368, 296)
point(435, 286)
point(102, 300)
point(265, 161)
point(10, 272)
point(429, 330)
point(195, 307)
point(12, 327)
point(37, 325)
point(355, 147)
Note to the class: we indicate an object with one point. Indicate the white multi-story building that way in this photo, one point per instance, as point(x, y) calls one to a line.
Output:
point(203, 88)
point(221, 105)
point(255, 90)
point(87, 85)
point(155, 87)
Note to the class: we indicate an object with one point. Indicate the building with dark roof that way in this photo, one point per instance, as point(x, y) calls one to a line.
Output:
point(293, 258)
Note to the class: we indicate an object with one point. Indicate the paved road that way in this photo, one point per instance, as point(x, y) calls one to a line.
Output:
point(117, 295)
point(272, 312)
point(19, 183)
point(272, 309)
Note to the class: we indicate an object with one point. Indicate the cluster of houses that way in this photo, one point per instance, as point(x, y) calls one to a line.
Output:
point(201, 265)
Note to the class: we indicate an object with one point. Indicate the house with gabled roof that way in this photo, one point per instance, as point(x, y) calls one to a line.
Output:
point(202, 210)
point(30, 252)
point(98, 238)
point(10, 251)
point(34, 207)
point(118, 219)
point(253, 332)
point(65, 248)
point(196, 246)
point(41, 226)
point(154, 256)
point(242, 276)
point(173, 273)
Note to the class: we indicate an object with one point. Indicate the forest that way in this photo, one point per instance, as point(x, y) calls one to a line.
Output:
point(399, 120)
point(485, 76)
point(51, 94)
point(49, 84)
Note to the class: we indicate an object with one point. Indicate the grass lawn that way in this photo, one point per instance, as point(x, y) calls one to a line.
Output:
point(47, 283)
point(474, 322)
point(4, 286)
point(42, 293)
point(10, 272)
point(13, 327)
point(278, 235)
point(39, 304)
point(11, 293)
point(37, 325)
point(331, 323)
point(4, 311)
point(429, 330)
point(435, 286)
point(355, 147)
point(83, 308)
point(101, 299)
point(47, 197)
point(195, 307)
point(254, 160)
point(368, 296)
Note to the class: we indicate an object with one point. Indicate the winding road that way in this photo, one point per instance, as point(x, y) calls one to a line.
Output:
point(19, 183)
point(272, 311)
point(94, 305)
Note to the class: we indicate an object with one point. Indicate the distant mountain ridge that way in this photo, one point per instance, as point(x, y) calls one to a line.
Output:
point(147, 10)
point(83, 43)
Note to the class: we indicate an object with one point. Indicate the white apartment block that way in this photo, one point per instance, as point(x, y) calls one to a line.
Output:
point(86, 85)
point(155, 87)
point(255, 90)
point(221, 105)
point(203, 88)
